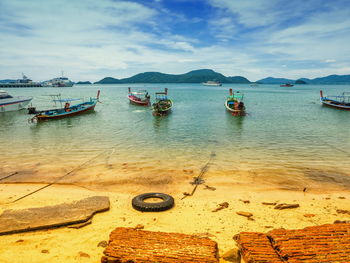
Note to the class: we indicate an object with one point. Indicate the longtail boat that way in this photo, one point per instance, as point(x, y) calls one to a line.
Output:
point(163, 104)
point(67, 110)
point(339, 102)
point(234, 104)
point(141, 97)
point(286, 85)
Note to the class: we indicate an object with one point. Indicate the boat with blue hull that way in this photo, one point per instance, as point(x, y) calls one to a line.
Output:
point(67, 110)
point(339, 102)
point(11, 103)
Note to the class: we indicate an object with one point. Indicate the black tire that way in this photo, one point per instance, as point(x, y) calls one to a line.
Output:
point(139, 204)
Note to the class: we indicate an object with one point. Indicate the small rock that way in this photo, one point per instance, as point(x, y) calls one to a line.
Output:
point(19, 241)
point(309, 215)
point(139, 227)
point(246, 214)
point(45, 251)
point(232, 255)
point(102, 243)
point(245, 201)
point(84, 255)
point(341, 197)
point(286, 206)
point(268, 226)
point(342, 211)
point(268, 203)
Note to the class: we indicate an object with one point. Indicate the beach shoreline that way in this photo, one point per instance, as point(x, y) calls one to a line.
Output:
point(191, 215)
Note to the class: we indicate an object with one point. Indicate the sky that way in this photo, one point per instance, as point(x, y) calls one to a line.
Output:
point(93, 39)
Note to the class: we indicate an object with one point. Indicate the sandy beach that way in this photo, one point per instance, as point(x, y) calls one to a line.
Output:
point(192, 215)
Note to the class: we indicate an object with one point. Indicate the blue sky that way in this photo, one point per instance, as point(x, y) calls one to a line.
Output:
point(92, 39)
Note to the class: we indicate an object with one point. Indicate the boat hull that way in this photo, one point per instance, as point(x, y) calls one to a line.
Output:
point(164, 111)
point(14, 105)
point(233, 111)
point(212, 84)
point(334, 104)
point(43, 117)
point(135, 101)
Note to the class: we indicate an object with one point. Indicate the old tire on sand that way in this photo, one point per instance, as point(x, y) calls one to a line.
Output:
point(139, 204)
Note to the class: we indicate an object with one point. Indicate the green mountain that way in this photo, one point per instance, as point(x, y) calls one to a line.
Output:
point(108, 80)
point(195, 76)
point(331, 79)
point(238, 79)
point(271, 80)
point(83, 82)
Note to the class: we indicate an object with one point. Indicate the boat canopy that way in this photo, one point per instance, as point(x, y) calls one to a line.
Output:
point(66, 100)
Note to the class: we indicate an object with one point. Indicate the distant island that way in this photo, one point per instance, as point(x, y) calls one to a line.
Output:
point(83, 82)
point(195, 76)
point(203, 75)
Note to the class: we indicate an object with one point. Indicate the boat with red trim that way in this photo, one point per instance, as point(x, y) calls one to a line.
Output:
point(340, 102)
point(286, 85)
point(140, 97)
point(67, 110)
point(11, 103)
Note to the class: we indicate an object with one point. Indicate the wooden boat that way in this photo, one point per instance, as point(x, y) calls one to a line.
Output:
point(339, 102)
point(163, 104)
point(67, 110)
point(234, 104)
point(286, 85)
point(140, 97)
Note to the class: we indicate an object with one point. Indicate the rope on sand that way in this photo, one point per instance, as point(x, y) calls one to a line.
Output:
point(198, 180)
point(112, 149)
point(3, 178)
point(60, 178)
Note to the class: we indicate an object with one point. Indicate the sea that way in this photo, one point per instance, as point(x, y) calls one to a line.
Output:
point(287, 140)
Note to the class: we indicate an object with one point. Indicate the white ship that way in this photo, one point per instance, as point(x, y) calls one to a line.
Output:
point(10, 103)
point(212, 83)
point(58, 82)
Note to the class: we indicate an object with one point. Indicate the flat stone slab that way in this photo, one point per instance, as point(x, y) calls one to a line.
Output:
point(16, 221)
point(128, 245)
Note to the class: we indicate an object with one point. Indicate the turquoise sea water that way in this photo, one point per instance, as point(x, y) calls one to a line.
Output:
point(287, 140)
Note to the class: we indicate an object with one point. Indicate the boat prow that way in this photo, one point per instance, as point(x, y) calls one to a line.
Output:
point(339, 102)
point(12, 103)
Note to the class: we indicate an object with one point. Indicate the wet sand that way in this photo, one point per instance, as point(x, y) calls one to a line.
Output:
point(192, 215)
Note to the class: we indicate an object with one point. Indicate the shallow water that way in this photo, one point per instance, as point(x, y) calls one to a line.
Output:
point(287, 140)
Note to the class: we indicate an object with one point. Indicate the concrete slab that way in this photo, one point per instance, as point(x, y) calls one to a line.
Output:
point(16, 221)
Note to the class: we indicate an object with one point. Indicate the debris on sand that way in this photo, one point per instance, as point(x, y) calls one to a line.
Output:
point(286, 206)
point(246, 214)
point(221, 206)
